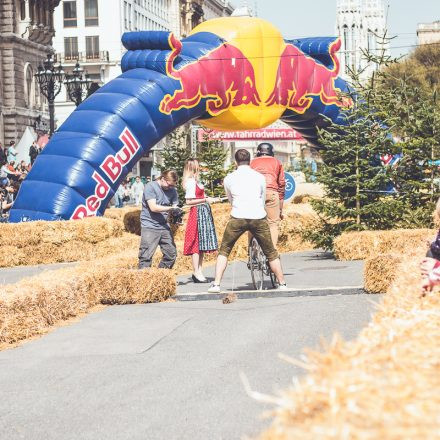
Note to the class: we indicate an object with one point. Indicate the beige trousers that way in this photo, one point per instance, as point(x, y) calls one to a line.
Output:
point(273, 214)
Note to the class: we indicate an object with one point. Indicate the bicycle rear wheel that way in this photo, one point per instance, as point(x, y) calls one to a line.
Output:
point(257, 263)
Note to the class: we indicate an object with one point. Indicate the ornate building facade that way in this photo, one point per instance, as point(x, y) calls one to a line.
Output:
point(26, 32)
point(359, 24)
point(194, 12)
point(428, 33)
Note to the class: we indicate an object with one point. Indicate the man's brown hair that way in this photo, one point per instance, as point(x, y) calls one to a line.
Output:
point(242, 157)
point(170, 175)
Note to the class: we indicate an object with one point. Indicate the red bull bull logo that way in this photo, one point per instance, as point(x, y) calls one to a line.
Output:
point(228, 80)
point(300, 78)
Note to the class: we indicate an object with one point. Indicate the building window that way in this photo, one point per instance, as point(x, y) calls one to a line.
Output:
point(91, 12)
point(29, 87)
point(22, 10)
point(92, 47)
point(71, 48)
point(69, 9)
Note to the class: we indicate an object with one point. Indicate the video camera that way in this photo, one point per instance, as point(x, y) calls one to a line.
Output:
point(175, 216)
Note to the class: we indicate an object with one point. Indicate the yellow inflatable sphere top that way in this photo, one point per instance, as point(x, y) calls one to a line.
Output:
point(258, 46)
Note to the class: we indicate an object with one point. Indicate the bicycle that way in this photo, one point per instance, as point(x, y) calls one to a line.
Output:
point(259, 266)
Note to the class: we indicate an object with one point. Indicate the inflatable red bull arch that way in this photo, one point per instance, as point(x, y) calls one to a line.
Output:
point(232, 73)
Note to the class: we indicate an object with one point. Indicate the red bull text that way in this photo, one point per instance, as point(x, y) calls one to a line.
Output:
point(112, 167)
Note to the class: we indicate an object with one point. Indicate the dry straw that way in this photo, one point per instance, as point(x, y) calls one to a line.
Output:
point(384, 385)
point(55, 242)
point(297, 217)
point(380, 272)
point(33, 305)
point(366, 244)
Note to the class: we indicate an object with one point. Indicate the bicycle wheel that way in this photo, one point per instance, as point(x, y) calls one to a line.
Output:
point(257, 263)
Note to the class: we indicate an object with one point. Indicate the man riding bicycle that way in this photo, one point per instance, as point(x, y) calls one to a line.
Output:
point(272, 169)
point(246, 189)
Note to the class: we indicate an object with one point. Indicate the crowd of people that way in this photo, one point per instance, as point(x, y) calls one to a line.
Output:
point(256, 192)
point(12, 174)
point(130, 192)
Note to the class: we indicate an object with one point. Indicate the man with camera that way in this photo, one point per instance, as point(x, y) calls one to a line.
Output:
point(159, 201)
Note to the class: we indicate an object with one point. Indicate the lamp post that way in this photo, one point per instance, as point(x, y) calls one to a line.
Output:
point(77, 86)
point(50, 79)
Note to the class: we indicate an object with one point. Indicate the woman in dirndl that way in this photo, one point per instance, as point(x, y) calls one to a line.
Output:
point(200, 236)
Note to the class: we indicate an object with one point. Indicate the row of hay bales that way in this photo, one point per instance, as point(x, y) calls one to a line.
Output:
point(64, 241)
point(296, 218)
point(33, 305)
point(384, 385)
point(57, 242)
point(383, 252)
point(109, 276)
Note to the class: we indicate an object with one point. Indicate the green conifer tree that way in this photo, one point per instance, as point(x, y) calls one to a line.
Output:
point(174, 156)
point(212, 156)
point(354, 178)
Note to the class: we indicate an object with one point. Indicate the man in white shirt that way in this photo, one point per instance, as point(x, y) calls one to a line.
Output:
point(246, 191)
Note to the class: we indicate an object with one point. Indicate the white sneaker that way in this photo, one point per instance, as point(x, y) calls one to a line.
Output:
point(214, 288)
point(282, 287)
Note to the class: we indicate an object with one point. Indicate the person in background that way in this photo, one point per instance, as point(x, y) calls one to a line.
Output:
point(126, 192)
point(12, 152)
point(3, 157)
point(9, 197)
point(200, 236)
point(4, 175)
point(14, 175)
point(137, 190)
point(119, 195)
point(34, 150)
point(159, 199)
point(272, 170)
point(22, 168)
point(246, 190)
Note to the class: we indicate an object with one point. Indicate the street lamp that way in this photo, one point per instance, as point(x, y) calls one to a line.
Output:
point(77, 86)
point(50, 79)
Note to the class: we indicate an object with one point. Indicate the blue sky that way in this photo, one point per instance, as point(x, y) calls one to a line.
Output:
point(311, 18)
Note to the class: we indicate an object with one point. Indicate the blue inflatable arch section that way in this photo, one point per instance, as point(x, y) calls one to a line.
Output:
point(82, 166)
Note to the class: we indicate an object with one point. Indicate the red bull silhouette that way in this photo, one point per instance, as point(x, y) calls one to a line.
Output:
point(300, 77)
point(234, 87)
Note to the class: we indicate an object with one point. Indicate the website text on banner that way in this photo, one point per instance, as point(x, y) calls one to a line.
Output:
point(280, 134)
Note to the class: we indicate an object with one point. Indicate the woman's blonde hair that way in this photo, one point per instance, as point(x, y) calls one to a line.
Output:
point(191, 170)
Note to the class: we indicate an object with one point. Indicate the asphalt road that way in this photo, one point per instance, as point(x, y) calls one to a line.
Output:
point(307, 273)
point(165, 371)
point(172, 370)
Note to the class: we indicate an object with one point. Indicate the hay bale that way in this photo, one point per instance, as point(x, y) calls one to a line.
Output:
point(89, 230)
point(114, 246)
point(366, 244)
point(380, 272)
point(33, 305)
point(384, 385)
point(119, 213)
point(296, 219)
point(132, 286)
point(132, 222)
